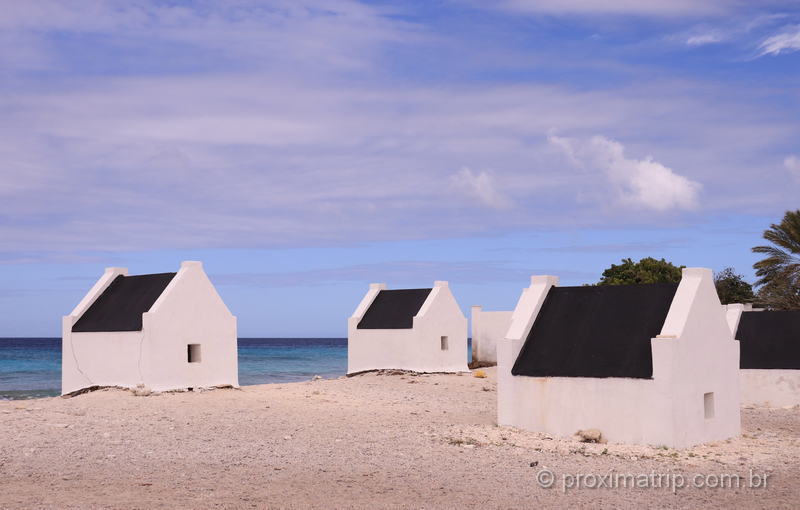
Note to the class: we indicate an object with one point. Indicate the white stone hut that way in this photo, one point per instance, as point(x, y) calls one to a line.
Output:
point(488, 327)
point(164, 331)
point(421, 330)
point(770, 354)
point(643, 364)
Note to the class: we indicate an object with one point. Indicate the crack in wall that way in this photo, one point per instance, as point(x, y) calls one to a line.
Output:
point(77, 364)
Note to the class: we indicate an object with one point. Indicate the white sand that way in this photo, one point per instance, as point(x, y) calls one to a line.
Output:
point(372, 441)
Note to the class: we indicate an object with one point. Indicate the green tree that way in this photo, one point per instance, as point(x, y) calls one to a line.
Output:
point(647, 270)
point(779, 272)
point(731, 287)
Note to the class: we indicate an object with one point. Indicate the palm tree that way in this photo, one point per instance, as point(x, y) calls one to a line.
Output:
point(779, 272)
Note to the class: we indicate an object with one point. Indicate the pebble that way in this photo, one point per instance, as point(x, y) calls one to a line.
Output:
point(287, 437)
point(590, 435)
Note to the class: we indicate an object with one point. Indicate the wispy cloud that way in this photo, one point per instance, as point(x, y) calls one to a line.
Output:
point(655, 247)
point(396, 273)
point(742, 31)
point(293, 35)
point(244, 160)
point(481, 186)
point(785, 42)
point(642, 183)
point(792, 164)
point(704, 39)
point(141, 125)
point(657, 8)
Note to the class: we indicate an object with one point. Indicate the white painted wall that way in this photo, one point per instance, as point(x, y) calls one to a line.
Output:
point(733, 312)
point(189, 311)
point(487, 329)
point(694, 354)
point(774, 388)
point(417, 349)
point(769, 387)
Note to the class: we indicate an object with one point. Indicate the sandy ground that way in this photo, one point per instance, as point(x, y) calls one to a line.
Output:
point(372, 441)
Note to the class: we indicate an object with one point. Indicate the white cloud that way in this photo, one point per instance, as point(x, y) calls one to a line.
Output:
point(401, 272)
point(631, 7)
point(642, 183)
point(304, 152)
point(703, 39)
point(482, 187)
point(785, 42)
point(792, 163)
point(291, 34)
point(738, 30)
point(248, 160)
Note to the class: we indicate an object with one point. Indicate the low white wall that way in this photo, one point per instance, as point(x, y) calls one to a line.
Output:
point(487, 329)
point(770, 387)
point(630, 410)
point(775, 388)
point(695, 354)
point(417, 349)
point(100, 359)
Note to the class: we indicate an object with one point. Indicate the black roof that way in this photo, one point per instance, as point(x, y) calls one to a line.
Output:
point(121, 305)
point(394, 309)
point(596, 331)
point(769, 340)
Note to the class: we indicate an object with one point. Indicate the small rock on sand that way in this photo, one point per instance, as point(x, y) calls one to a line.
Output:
point(590, 436)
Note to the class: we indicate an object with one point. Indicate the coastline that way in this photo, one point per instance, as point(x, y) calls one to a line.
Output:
point(30, 368)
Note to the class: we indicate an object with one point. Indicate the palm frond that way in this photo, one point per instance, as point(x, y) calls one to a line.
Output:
point(779, 271)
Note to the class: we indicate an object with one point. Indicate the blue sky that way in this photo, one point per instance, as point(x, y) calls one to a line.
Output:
point(302, 149)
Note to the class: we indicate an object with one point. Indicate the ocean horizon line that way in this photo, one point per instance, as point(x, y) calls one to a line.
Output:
point(30, 367)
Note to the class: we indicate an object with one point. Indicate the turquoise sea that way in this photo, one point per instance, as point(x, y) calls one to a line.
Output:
point(31, 367)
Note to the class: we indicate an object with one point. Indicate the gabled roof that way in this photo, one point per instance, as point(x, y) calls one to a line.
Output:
point(769, 340)
point(596, 331)
point(394, 309)
point(121, 305)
